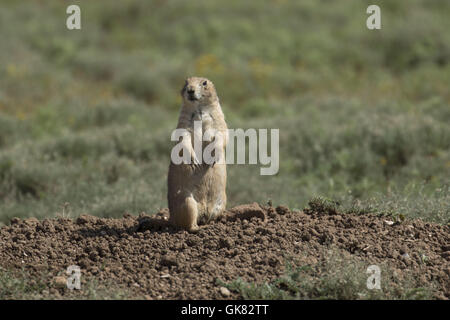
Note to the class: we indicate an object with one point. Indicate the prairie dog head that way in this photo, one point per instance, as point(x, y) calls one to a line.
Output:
point(199, 92)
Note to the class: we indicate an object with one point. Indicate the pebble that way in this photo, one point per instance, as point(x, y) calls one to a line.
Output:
point(60, 282)
point(225, 292)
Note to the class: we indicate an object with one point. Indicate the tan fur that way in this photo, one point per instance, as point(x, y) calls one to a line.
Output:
point(196, 192)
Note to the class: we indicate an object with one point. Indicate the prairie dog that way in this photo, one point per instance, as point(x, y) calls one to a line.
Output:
point(196, 191)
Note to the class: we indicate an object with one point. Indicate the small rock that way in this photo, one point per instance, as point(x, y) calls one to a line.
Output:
point(168, 261)
point(446, 255)
point(226, 243)
point(192, 242)
point(147, 297)
point(84, 218)
point(306, 237)
point(95, 270)
point(31, 221)
point(282, 210)
point(54, 292)
point(60, 282)
point(271, 212)
point(93, 256)
point(225, 292)
point(15, 220)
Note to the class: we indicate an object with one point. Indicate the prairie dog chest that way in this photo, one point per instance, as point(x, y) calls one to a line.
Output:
point(200, 122)
point(202, 116)
point(201, 125)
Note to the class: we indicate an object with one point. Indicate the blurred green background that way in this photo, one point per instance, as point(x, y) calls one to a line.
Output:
point(86, 115)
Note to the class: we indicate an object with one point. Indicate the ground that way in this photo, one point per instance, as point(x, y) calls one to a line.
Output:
point(364, 122)
point(253, 251)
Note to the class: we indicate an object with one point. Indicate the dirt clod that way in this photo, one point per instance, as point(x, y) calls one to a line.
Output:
point(247, 211)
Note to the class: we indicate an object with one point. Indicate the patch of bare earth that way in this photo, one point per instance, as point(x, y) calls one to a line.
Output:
point(146, 256)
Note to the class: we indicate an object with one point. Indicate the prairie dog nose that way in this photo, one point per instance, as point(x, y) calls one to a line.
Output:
point(192, 95)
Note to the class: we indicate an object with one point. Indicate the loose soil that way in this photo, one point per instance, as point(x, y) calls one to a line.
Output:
point(147, 257)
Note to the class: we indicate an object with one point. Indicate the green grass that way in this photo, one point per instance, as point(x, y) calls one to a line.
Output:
point(17, 287)
point(335, 278)
point(20, 286)
point(86, 116)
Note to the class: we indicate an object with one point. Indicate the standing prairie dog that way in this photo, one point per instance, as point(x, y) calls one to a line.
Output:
point(196, 191)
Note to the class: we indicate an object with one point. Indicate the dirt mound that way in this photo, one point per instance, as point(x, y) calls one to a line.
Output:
point(145, 255)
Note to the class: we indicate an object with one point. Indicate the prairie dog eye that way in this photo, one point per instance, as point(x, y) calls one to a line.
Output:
point(205, 83)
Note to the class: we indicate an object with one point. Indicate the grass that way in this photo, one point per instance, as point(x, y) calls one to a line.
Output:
point(335, 278)
point(431, 208)
point(86, 116)
point(20, 286)
point(13, 287)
